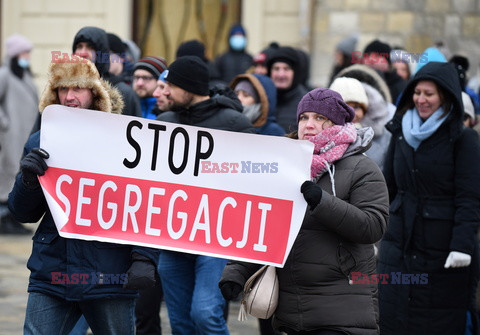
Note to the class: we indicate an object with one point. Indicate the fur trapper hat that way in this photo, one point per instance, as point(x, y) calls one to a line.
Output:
point(82, 74)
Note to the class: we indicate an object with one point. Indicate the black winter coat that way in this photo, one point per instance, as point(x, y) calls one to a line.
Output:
point(435, 209)
point(219, 112)
point(319, 286)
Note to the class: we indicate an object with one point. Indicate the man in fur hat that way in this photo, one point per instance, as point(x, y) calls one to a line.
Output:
point(61, 285)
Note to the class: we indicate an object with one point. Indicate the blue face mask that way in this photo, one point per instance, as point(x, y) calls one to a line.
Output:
point(23, 63)
point(238, 42)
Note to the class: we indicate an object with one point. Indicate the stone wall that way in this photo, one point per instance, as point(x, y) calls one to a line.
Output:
point(412, 24)
point(313, 25)
point(52, 24)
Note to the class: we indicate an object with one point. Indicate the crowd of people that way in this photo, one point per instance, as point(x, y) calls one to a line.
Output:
point(388, 243)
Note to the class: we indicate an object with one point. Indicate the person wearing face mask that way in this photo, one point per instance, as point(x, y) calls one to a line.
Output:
point(258, 96)
point(18, 110)
point(236, 60)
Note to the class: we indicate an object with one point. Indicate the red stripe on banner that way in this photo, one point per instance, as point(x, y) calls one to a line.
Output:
point(172, 215)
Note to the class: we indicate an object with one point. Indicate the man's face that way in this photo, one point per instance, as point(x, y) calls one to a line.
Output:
point(85, 50)
point(163, 103)
point(178, 97)
point(282, 75)
point(75, 97)
point(144, 83)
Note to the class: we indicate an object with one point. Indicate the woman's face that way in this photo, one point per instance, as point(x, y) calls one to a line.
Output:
point(245, 98)
point(311, 124)
point(359, 112)
point(426, 98)
point(402, 70)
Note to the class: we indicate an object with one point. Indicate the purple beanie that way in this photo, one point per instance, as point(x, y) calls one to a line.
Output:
point(327, 103)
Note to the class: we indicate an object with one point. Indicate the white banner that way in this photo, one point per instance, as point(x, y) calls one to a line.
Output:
point(123, 179)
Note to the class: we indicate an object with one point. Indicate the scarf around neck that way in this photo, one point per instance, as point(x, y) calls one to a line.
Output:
point(330, 145)
point(416, 131)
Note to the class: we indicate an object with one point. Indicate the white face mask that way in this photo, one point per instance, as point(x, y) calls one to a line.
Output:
point(238, 42)
point(23, 63)
point(252, 112)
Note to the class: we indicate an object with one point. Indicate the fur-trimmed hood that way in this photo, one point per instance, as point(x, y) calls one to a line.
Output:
point(264, 101)
point(367, 75)
point(82, 74)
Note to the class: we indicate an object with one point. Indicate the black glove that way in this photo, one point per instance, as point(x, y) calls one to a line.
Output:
point(33, 165)
point(141, 274)
point(312, 193)
point(230, 290)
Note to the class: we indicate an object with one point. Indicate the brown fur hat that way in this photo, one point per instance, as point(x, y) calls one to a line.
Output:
point(83, 74)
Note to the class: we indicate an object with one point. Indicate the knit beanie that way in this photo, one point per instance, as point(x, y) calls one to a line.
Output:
point(378, 47)
point(327, 103)
point(189, 73)
point(246, 86)
point(350, 89)
point(284, 54)
point(348, 44)
point(154, 65)
point(115, 43)
point(192, 48)
point(17, 44)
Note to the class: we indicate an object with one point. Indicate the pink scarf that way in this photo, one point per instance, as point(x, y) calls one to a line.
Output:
point(330, 145)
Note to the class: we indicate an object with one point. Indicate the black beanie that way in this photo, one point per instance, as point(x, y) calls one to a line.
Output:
point(192, 48)
point(115, 43)
point(283, 54)
point(378, 47)
point(189, 73)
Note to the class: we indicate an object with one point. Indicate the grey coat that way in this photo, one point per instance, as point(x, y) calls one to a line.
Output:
point(18, 110)
point(335, 242)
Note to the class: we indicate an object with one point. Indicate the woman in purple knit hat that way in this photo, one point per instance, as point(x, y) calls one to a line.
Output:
point(328, 284)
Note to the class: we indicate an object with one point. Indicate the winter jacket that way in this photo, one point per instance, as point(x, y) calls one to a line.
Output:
point(377, 116)
point(334, 246)
point(435, 209)
point(287, 102)
point(219, 112)
point(266, 123)
point(18, 110)
point(58, 264)
point(231, 63)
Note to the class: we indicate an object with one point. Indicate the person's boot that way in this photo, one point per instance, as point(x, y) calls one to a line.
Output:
point(8, 225)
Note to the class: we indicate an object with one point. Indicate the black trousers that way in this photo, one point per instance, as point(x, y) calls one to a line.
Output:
point(147, 311)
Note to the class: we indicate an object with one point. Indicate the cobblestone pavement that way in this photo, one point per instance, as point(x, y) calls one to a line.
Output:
point(14, 252)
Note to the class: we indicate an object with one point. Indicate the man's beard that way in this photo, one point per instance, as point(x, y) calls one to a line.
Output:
point(178, 106)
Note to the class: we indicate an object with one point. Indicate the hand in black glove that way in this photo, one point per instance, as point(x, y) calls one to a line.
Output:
point(312, 193)
point(33, 165)
point(230, 290)
point(141, 274)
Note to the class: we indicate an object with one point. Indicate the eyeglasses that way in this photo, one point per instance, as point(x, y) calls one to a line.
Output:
point(144, 78)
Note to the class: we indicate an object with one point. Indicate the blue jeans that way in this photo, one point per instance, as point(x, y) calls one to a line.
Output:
point(50, 315)
point(190, 286)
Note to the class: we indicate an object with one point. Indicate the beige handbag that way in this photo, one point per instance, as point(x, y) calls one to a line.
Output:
point(260, 294)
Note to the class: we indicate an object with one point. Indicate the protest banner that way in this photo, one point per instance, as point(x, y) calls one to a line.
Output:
point(129, 180)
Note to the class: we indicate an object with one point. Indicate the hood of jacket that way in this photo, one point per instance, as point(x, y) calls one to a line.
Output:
point(378, 113)
point(98, 39)
point(446, 77)
point(267, 94)
point(220, 99)
point(367, 75)
point(82, 74)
